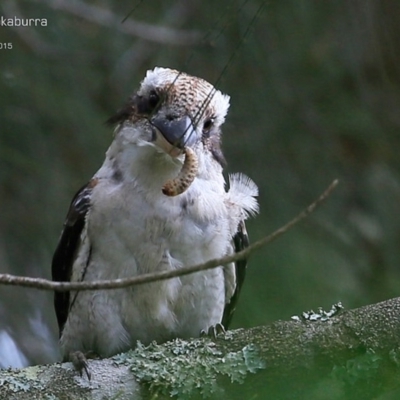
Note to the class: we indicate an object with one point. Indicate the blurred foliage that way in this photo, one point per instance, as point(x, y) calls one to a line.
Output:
point(315, 96)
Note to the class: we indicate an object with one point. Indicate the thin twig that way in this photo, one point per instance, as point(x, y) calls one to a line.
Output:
point(45, 284)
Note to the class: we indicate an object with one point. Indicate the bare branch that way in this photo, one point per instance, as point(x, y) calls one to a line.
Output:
point(45, 284)
point(104, 17)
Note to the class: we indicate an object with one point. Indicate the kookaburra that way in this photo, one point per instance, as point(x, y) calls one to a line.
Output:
point(122, 224)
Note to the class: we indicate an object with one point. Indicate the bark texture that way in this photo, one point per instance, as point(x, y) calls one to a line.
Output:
point(353, 354)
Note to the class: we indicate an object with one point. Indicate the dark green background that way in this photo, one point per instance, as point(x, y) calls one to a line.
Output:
point(314, 91)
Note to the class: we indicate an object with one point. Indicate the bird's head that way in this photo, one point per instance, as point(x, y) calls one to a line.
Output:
point(172, 111)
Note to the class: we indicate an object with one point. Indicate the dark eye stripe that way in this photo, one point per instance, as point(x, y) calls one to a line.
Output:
point(154, 99)
point(148, 104)
point(208, 124)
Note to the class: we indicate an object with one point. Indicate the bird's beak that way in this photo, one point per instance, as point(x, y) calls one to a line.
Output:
point(173, 136)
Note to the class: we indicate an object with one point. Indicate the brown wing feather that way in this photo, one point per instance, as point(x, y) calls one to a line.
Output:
point(240, 242)
point(67, 248)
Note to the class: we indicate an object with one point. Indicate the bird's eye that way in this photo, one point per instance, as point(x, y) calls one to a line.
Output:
point(208, 123)
point(154, 100)
point(147, 105)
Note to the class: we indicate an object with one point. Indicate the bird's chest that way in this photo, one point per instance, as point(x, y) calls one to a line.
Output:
point(160, 233)
point(131, 236)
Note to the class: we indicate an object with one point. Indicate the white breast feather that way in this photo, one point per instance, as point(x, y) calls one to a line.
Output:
point(242, 192)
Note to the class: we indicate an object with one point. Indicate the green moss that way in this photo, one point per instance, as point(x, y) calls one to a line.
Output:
point(20, 380)
point(15, 385)
point(180, 368)
point(362, 367)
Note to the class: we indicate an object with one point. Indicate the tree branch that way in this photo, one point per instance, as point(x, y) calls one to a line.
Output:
point(353, 354)
point(29, 35)
point(104, 17)
point(44, 284)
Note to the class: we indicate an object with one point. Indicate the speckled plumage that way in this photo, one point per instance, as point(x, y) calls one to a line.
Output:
point(121, 224)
